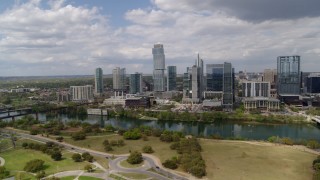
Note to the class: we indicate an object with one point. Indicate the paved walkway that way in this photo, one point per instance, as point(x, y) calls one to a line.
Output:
point(2, 161)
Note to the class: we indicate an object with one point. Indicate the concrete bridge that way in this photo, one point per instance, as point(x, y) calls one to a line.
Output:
point(14, 113)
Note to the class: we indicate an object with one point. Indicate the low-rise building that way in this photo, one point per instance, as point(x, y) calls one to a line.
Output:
point(136, 102)
point(262, 103)
point(100, 112)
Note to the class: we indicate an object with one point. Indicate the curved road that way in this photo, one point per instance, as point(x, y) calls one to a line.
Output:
point(153, 161)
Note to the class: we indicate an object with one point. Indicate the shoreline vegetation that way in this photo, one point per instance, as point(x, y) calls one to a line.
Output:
point(210, 117)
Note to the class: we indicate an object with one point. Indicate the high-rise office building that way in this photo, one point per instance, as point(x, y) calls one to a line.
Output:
point(119, 79)
point(228, 85)
point(187, 84)
point(171, 78)
point(81, 93)
point(214, 77)
point(312, 83)
point(135, 83)
point(159, 67)
point(256, 89)
point(98, 78)
point(193, 82)
point(289, 75)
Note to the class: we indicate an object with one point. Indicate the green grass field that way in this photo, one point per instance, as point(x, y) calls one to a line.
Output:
point(162, 150)
point(128, 165)
point(16, 160)
point(244, 161)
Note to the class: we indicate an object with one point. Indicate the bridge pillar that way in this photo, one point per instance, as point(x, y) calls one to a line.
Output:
point(37, 116)
point(13, 119)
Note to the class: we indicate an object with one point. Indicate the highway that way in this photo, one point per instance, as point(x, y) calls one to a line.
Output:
point(114, 160)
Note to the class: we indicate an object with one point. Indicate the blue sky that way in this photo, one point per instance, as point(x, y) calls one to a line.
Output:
point(70, 37)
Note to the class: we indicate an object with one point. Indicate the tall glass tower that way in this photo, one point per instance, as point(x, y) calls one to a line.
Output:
point(135, 83)
point(158, 67)
point(171, 78)
point(214, 77)
point(289, 75)
point(98, 81)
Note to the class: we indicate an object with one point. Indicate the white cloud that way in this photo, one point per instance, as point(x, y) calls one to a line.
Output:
point(74, 40)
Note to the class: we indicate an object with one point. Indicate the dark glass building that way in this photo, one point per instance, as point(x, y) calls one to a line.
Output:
point(135, 83)
point(214, 77)
point(313, 83)
point(289, 75)
point(98, 78)
point(172, 78)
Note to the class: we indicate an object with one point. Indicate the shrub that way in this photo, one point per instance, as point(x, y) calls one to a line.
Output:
point(34, 165)
point(147, 149)
point(76, 157)
point(313, 144)
point(60, 138)
point(108, 147)
point(315, 161)
point(56, 155)
point(88, 168)
point(287, 141)
point(34, 131)
point(25, 145)
point(135, 158)
point(316, 166)
point(175, 146)
point(273, 139)
point(132, 134)
point(79, 136)
point(170, 164)
point(3, 172)
point(40, 175)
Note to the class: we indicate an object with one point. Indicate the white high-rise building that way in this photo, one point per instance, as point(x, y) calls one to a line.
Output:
point(119, 79)
point(159, 67)
point(81, 93)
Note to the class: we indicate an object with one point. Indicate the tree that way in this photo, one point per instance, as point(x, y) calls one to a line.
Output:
point(40, 175)
point(87, 156)
point(60, 138)
point(34, 165)
point(170, 164)
point(3, 172)
point(88, 168)
point(147, 149)
point(132, 134)
point(135, 158)
point(313, 144)
point(25, 145)
point(76, 157)
point(56, 155)
point(79, 136)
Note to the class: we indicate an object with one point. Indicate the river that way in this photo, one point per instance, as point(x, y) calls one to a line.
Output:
point(254, 131)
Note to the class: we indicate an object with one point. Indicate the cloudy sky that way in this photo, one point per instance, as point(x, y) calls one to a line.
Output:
point(73, 37)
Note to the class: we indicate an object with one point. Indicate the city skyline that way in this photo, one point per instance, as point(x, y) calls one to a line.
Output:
point(71, 38)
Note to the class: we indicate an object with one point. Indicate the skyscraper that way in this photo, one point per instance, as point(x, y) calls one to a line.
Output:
point(289, 75)
point(98, 81)
point(193, 82)
point(135, 83)
point(214, 77)
point(171, 78)
point(228, 85)
point(159, 67)
point(119, 79)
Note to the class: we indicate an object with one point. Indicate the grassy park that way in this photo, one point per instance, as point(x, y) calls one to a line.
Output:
point(161, 149)
point(16, 160)
point(264, 161)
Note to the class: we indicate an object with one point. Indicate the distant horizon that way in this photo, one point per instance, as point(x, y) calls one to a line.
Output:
point(73, 37)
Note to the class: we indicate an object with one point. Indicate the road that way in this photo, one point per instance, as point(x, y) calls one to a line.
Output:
point(153, 162)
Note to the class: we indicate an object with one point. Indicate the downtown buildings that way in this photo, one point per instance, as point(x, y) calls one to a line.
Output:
point(158, 68)
point(81, 93)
